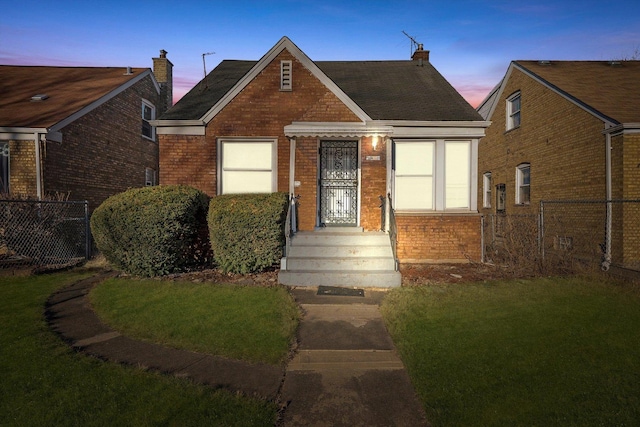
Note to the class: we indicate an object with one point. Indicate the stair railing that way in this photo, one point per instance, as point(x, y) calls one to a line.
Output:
point(388, 224)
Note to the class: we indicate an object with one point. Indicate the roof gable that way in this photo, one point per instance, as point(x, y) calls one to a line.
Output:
point(610, 90)
point(71, 91)
point(283, 44)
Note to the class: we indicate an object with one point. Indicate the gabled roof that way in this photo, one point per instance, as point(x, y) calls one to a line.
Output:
point(373, 90)
point(71, 91)
point(610, 90)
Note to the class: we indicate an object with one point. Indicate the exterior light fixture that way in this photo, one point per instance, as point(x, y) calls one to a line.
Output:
point(374, 142)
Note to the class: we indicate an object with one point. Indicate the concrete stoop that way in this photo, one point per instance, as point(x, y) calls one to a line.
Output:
point(340, 257)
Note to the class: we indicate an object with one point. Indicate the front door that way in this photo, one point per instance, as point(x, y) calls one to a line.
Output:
point(338, 183)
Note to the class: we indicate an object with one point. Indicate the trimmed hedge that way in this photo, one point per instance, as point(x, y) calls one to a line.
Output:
point(247, 230)
point(153, 231)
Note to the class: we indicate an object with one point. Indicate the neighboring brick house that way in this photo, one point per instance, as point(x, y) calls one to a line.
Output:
point(567, 130)
point(372, 128)
point(83, 132)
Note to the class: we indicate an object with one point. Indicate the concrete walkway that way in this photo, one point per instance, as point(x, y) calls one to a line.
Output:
point(345, 373)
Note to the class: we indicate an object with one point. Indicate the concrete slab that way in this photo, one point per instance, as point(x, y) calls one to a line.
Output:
point(308, 295)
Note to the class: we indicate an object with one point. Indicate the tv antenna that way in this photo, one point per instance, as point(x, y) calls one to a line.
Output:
point(204, 65)
point(414, 43)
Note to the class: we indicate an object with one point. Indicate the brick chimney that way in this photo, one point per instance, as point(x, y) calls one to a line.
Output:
point(420, 55)
point(163, 70)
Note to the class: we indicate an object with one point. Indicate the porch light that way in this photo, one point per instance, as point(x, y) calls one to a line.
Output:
point(374, 142)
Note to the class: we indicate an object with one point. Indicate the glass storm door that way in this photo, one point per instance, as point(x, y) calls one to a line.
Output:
point(338, 183)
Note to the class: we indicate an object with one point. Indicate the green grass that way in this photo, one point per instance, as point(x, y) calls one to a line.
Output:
point(544, 352)
point(43, 382)
point(256, 324)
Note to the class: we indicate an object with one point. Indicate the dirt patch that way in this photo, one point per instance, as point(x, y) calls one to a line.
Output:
point(412, 275)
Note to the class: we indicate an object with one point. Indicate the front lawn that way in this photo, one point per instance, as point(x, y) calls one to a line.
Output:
point(44, 383)
point(546, 352)
point(256, 324)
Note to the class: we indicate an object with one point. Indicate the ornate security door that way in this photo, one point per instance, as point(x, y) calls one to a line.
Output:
point(338, 183)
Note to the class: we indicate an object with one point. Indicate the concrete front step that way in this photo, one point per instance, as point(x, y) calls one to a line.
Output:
point(366, 279)
point(326, 251)
point(296, 263)
point(327, 238)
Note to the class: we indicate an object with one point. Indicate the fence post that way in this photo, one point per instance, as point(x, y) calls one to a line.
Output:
point(87, 232)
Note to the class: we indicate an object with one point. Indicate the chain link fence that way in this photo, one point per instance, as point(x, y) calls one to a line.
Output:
point(566, 236)
point(43, 234)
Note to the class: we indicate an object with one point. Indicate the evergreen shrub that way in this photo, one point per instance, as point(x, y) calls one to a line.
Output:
point(247, 231)
point(153, 231)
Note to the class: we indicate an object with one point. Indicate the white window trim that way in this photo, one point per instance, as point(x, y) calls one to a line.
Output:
point(439, 176)
point(286, 75)
point(520, 184)
point(153, 117)
point(220, 158)
point(511, 113)
point(486, 190)
point(150, 177)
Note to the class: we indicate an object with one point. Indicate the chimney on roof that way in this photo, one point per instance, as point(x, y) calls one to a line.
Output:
point(420, 54)
point(163, 70)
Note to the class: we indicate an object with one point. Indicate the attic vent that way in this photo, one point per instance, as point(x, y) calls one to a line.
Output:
point(544, 62)
point(39, 97)
point(285, 75)
point(614, 63)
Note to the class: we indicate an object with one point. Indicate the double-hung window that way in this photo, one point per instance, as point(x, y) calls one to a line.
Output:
point(4, 167)
point(432, 175)
point(513, 111)
point(486, 190)
point(148, 114)
point(247, 165)
point(414, 175)
point(523, 183)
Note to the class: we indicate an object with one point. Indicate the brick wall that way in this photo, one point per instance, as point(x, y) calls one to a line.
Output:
point(373, 181)
point(438, 238)
point(22, 168)
point(103, 152)
point(563, 143)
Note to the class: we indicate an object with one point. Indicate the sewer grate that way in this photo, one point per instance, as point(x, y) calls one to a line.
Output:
point(336, 290)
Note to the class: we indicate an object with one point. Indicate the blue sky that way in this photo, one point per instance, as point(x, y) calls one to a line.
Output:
point(471, 42)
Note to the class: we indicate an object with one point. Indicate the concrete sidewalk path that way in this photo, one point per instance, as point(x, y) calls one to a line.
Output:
point(346, 371)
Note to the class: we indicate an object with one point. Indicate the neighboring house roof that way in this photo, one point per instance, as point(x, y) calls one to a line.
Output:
point(70, 91)
point(375, 90)
point(608, 89)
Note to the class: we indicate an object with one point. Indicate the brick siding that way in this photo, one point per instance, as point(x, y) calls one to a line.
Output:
point(103, 152)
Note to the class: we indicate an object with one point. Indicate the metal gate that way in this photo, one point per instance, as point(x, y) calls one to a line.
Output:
point(338, 183)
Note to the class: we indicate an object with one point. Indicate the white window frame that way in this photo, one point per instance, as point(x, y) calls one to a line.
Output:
point(486, 190)
point(521, 177)
point(437, 177)
point(286, 75)
point(150, 177)
point(222, 169)
point(514, 106)
point(145, 120)
point(5, 159)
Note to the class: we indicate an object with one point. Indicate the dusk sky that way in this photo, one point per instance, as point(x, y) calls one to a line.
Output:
point(471, 42)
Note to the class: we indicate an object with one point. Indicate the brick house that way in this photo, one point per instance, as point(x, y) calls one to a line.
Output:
point(80, 131)
point(337, 135)
point(561, 131)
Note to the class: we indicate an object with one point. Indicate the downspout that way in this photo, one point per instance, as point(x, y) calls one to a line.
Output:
point(606, 262)
point(38, 167)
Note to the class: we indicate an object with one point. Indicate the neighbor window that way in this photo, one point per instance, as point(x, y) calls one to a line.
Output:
point(285, 75)
point(4, 167)
point(149, 177)
point(523, 181)
point(513, 111)
point(414, 175)
point(148, 114)
point(247, 166)
point(486, 190)
point(501, 197)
